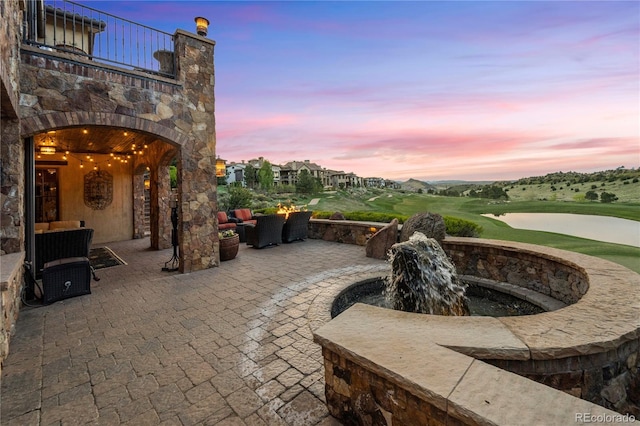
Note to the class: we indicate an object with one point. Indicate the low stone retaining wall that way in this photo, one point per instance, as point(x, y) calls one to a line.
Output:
point(589, 349)
point(11, 279)
point(343, 231)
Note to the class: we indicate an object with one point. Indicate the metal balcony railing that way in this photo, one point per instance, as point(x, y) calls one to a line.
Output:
point(65, 26)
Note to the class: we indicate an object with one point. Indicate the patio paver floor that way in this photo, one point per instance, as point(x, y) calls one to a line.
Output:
point(225, 346)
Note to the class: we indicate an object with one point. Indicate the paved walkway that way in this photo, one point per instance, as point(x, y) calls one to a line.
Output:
point(226, 346)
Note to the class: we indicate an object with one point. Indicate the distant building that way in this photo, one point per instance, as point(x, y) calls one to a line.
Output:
point(235, 173)
point(287, 174)
point(289, 171)
point(346, 180)
point(374, 182)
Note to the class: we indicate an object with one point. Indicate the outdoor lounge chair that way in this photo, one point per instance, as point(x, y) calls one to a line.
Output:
point(296, 227)
point(267, 231)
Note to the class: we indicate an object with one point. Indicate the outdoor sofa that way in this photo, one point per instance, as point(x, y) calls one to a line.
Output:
point(245, 216)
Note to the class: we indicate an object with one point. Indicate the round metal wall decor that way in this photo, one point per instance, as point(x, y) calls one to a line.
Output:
point(98, 189)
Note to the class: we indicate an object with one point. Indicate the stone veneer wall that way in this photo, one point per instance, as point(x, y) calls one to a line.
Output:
point(63, 91)
point(550, 276)
point(42, 90)
point(343, 231)
point(356, 395)
point(12, 153)
point(609, 377)
point(11, 173)
point(12, 274)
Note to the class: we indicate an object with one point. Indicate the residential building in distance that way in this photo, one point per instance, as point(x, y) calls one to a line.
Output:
point(374, 182)
point(287, 174)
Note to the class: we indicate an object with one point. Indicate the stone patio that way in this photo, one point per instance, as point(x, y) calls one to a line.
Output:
point(227, 346)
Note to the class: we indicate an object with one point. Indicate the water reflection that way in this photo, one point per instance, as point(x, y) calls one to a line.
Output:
point(601, 228)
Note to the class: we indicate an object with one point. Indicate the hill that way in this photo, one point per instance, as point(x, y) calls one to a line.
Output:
point(572, 186)
point(415, 185)
point(623, 183)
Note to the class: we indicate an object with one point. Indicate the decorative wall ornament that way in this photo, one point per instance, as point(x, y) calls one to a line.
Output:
point(98, 189)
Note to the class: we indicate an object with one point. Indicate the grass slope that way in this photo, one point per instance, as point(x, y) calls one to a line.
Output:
point(403, 203)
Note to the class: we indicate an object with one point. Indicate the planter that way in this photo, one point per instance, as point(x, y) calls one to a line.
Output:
point(229, 247)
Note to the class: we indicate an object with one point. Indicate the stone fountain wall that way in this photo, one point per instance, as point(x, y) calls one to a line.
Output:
point(552, 277)
point(590, 349)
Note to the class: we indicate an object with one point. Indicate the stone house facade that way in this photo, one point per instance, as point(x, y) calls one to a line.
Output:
point(90, 110)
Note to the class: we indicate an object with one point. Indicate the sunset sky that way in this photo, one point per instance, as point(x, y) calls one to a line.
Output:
point(474, 90)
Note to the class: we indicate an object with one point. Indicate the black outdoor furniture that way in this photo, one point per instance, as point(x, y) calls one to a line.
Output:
point(60, 245)
point(65, 278)
point(267, 231)
point(296, 227)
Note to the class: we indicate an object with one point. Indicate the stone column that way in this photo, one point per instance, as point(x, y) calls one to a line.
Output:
point(156, 157)
point(12, 187)
point(197, 187)
point(138, 206)
point(160, 210)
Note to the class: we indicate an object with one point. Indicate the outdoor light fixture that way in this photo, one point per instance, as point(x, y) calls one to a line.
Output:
point(173, 263)
point(221, 168)
point(47, 150)
point(202, 24)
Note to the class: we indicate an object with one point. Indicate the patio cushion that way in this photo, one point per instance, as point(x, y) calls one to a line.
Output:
point(64, 224)
point(245, 215)
point(224, 222)
point(42, 226)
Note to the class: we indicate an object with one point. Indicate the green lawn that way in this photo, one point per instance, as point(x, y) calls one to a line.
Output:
point(390, 201)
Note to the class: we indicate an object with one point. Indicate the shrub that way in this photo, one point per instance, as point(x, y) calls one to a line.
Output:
point(374, 217)
point(455, 226)
point(238, 197)
point(591, 195)
point(608, 197)
point(461, 227)
point(173, 176)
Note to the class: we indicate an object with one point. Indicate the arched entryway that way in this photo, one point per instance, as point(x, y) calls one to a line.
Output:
point(101, 174)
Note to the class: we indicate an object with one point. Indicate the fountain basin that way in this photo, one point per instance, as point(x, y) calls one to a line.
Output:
point(483, 301)
point(588, 349)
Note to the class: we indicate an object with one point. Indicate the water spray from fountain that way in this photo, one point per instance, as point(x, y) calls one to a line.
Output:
point(423, 279)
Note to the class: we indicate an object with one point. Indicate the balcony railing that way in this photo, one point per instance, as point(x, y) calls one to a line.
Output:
point(65, 26)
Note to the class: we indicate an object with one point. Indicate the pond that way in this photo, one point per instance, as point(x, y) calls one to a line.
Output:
point(600, 228)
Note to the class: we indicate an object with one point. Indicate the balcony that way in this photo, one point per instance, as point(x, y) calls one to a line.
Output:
point(81, 32)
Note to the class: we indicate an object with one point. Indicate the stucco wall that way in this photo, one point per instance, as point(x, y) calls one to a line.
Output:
point(115, 222)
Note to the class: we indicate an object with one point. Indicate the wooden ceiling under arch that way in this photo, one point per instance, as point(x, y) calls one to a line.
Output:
point(94, 140)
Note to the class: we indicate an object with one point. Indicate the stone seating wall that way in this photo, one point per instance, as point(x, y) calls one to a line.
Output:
point(589, 350)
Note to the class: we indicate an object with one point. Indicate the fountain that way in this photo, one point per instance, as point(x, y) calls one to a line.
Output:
point(403, 365)
point(423, 280)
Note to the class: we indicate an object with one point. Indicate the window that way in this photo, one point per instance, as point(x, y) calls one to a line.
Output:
point(46, 195)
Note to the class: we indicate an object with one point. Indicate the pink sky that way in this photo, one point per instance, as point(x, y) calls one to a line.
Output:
point(426, 90)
